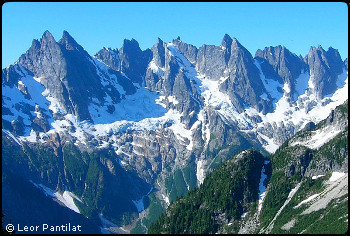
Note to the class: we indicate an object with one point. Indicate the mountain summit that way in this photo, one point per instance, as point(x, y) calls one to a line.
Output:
point(147, 126)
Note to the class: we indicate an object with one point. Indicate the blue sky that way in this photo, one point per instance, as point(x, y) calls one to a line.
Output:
point(295, 25)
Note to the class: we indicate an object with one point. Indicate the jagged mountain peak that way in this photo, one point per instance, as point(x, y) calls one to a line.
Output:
point(47, 39)
point(69, 42)
point(236, 44)
point(35, 44)
point(47, 36)
point(326, 66)
point(332, 49)
point(158, 51)
point(318, 49)
point(110, 57)
point(130, 44)
point(66, 34)
point(109, 49)
point(331, 58)
point(134, 61)
point(285, 63)
point(226, 41)
point(177, 40)
point(271, 51)
point(227, 37)
point(237, 49)
point(159, 41)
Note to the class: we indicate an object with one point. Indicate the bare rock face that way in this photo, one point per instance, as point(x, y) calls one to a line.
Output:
point(110, 57)
point(346, 63)
point(232, 64)
point(188, 50)
point(324, 67)
point(287, 65)
point(70, 74)
point(133, 61)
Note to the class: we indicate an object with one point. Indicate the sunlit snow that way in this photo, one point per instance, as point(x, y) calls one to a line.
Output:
point(319, 137)
point(336, 175)
point(317, 176)
point(66, 198)
point(139, 203)
point(307, 200)
point(200, 172)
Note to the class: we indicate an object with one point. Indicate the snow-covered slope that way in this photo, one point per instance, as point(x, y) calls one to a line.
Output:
point(66, 198)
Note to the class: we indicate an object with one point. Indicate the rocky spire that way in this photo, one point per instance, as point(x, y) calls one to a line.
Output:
point(69, 42)
point(324, 66)
point(226, 41)
point(159, 53)
point(110, 57)
point(134, 61)
point(47, 38)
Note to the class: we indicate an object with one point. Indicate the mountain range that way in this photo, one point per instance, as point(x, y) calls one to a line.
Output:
point(116, 137)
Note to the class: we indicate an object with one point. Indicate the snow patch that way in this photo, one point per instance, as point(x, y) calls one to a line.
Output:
point(319, 137)
point(221, 102)
point(156, 69)
point(335, 176)
point(173, 100)
point(307, 108)
point(286, 88)
point(336, 189)
point(307, 200)
point(135, 107)
point(180, 131)
point(205, 127)
point(270, 85)
point(316, 177)
point(18, 141)
point(66, 198)
point(244, 214)
point(31, 138)
point(200, 172)
point(269, 144)
point(301, 84)
point(262, 187)
point(139, 203)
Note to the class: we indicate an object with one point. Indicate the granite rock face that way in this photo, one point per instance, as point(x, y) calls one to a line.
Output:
point(68, 72)
point(324, 68)
point(110, 57)
point(234, 66)
point(287, 65)
point(133, 61)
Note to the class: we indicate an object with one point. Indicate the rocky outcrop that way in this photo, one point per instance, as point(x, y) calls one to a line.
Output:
point(234, 66)
point(324, 66)
point(110, 57)
point(134, 61)
point(287, 65)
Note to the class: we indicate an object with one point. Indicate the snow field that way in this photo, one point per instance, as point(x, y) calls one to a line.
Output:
point(66, 198)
